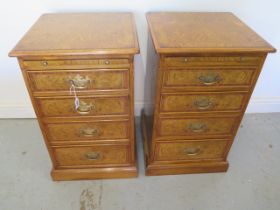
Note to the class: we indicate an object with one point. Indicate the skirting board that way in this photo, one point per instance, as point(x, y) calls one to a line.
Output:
point(256, 105)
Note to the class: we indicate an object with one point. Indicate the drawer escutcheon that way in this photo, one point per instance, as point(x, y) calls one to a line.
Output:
point(44, 63)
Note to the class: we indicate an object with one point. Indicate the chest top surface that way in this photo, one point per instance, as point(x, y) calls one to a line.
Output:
point(187, 32)
point(79, 34)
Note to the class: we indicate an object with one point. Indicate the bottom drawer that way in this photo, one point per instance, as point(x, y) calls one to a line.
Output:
point(91, 155)
point(170, 151)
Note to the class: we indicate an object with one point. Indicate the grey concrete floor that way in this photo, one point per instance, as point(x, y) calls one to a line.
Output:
point(252, 181)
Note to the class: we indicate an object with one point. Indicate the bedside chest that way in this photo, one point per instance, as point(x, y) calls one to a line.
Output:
point(78, 69)
point(201, 71)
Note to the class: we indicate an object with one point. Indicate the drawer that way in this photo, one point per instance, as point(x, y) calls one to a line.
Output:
point(190, 150)
point(75, 63)
point(188, 61)
point(89, 106)
point(93, 130)
point(91, 155)
point(218, 101)
point(82, 80)
point(190, 127)
point(205, 78)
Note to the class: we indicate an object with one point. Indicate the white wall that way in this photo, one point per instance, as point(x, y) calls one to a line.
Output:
point(16, 16)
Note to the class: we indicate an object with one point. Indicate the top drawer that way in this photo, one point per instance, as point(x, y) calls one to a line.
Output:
point(75, 64)
point(212, 61)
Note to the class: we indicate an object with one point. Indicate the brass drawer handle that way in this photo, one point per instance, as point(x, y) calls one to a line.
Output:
point(198, 127)
point(210, 79)
point(203, 104)
point(192, 151)
point(107, 62)
point(85, 108)
point(80, 82)
point(92, 155)
point(44, 63)
point(89, 132)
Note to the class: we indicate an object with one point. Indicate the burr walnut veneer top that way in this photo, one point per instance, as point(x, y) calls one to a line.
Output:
point(187, 32)
point(79, 34)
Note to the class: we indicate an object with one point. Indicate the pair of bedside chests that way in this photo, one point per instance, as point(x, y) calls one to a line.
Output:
point(79, 72)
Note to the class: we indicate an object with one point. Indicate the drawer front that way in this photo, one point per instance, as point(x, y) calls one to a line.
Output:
point(225, 101)
point(82, 80)
point(89, 106)
point(74, 64)
point(206, 78)
point(212, 61)
point(190, 150)
point(189, 127)
point(91, 155)
point(98, 130)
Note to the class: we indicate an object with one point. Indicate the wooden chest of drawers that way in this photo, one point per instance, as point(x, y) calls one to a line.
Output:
point(201, 71)
point(93, 55)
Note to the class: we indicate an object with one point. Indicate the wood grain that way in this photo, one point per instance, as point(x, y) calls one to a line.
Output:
point(204, 69)
point(80, 156)
point(61, 80)
point(155, 168)
point(189, 127)
point(88, 131)
point(202, 102)
point(79, 34)
point(198, 77)
point(214, 60)
point(93, 52)
point(33, 63)
point(190, 150)
point(65, 106)
point(175, 32)
point(94, 173)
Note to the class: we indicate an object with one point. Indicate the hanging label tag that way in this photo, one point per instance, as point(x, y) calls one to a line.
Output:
point(76, 100)
point(77, 103)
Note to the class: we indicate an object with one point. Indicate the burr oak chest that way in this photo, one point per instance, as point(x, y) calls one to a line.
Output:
point(78, 69)
point(201, 71)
